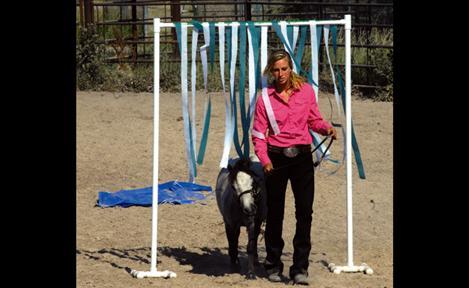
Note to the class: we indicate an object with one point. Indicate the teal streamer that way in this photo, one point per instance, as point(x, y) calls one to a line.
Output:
point(301, 71)
point(242, 81)
point(278, 30)
point(203, 141)
point(194, 166)
point(255, 34)
point(356, 150)
point(301, 43)
point(197, 25)
point(319, 36)
point(241, 96)
point(333, 29)
point(212, 44)
point(178, 34)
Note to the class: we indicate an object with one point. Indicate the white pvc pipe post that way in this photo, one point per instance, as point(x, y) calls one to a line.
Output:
point(348, 107)
point(156, 129)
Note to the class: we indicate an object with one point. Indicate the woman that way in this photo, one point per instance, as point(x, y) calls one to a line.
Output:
point(281, 138)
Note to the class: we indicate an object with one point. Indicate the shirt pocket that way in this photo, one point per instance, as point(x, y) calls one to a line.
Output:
point(300, 113)
point(280, 113)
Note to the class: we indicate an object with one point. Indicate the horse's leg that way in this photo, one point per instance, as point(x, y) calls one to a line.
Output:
point(257, 231)
point(232, 233)
point(252, 248)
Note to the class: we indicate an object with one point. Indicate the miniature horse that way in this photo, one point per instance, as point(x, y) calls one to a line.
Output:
point(241, 199)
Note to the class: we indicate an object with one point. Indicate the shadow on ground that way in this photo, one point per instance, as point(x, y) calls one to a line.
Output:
point(209, 261)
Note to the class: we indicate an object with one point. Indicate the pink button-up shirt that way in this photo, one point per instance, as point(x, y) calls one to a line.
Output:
point(293, 120)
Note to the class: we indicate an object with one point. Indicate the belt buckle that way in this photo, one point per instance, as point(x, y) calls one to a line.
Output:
point(291, 152)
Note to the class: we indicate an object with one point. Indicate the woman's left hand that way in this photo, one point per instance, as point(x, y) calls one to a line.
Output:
point(332, 132)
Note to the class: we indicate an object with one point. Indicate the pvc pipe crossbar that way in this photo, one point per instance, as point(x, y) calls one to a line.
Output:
point(296, 23)
point(350, 267)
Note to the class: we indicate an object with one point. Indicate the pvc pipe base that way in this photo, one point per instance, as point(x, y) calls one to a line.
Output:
point(146, 274)
point(362, 268)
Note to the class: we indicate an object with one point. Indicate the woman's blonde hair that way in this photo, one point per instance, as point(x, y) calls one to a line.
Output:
point(296, 80)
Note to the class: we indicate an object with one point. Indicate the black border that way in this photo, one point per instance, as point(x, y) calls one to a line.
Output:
point(41, 142)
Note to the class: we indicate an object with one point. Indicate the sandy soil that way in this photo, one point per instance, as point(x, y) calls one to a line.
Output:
point(114, 152)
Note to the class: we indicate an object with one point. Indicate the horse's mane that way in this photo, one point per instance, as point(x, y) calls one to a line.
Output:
point(243, 164)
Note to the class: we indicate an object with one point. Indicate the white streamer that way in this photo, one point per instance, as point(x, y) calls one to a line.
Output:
point(185, 103)
point(203, 56)
point(287, 45)
point(336, 93)
point(315, 74)
point(228, 118)
point(314, 57)
point(296, 30)
point(203, 52)
point(252, 76)
point(195, 35)
point(265, 96)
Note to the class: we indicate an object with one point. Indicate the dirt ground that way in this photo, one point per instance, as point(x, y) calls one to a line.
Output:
point(114, 152)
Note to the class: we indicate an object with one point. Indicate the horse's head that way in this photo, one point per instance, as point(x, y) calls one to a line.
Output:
point(244, 182)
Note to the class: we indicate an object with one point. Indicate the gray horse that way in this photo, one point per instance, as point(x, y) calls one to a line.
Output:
point(241, 199)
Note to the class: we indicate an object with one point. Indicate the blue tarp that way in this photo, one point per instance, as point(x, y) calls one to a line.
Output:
point(173, 192)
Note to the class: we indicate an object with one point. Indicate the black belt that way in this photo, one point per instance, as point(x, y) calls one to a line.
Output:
point(291, 151)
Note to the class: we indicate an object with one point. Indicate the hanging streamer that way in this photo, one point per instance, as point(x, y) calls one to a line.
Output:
point(233, 47)
point(212, 44)
point(356, 150)
point(265, 96)
point(315, 72)
point(314, 56)
point(281, 30)
point(228, 114)
point(296, 30)
point(293, 38)
point(333, 29)
point(292, 32)
point(254, 71)
point(301, 45)
point(208, 100)
point(181, 32)
point(242, 81)
point(336, 92)
point(195, 36)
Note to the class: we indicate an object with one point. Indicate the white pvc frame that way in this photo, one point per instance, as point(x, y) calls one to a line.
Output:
point(350, 267)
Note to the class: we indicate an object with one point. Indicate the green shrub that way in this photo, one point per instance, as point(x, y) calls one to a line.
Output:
point(90, 56)
point(384, 68)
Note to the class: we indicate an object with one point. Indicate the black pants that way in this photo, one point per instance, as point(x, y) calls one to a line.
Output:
point(301, 176)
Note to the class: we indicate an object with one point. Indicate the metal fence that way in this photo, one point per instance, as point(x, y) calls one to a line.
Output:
point(125, 27)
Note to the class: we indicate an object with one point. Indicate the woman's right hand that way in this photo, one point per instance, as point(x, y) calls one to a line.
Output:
point(268, 168)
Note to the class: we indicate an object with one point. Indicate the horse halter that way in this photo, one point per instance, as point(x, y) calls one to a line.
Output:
point(254, 190)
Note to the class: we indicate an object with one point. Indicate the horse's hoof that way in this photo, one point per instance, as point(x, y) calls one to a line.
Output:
point(251, 276)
